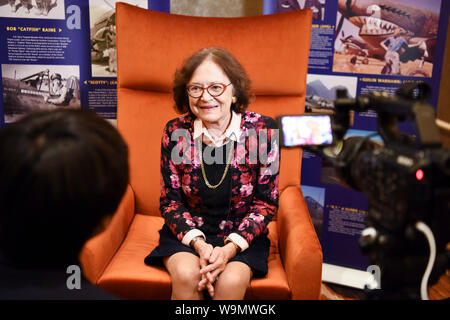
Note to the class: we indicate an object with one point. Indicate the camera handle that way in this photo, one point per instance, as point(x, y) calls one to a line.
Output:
point(408, 105)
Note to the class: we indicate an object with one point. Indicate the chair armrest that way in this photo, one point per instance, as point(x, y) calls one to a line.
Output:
point(300, 249)
point(98, 251)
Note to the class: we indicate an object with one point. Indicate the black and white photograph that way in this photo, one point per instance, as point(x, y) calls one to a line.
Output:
point(317, 7)
point(34, 9)
point(102, 19)
point(28, 88)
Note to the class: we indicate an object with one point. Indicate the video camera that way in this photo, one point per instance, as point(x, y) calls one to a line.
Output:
point(406, 180)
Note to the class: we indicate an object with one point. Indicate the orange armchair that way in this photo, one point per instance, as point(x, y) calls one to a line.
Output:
point(150, 46)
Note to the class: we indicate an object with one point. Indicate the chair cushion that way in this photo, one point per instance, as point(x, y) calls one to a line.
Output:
point(274, 286)
point(127, 276)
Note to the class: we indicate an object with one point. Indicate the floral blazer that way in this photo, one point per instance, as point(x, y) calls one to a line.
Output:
point(254, 178)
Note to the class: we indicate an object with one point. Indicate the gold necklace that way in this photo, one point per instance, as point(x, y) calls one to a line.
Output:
point(203, 167)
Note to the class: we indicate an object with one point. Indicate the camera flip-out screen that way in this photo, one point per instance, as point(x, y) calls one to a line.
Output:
point(305, 130)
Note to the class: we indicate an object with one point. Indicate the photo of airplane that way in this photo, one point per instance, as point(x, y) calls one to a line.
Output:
point(366, 28)
point(30, 88)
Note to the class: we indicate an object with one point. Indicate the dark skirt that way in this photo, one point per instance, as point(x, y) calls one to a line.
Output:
point(255, 256)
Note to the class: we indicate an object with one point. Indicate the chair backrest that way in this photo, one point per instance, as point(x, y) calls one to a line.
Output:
point(152, 45)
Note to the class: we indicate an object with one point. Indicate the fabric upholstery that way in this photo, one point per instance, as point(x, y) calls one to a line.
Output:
point(268, 46)
point(99, 250)
point(128, 277)
point(141, 118)
point(275, 285)
point(299, 247)
point(150, 46)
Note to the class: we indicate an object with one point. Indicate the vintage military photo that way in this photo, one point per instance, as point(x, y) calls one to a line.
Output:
point(102, 19)
point(395, 39)
point(28, 88)
point(34, 9)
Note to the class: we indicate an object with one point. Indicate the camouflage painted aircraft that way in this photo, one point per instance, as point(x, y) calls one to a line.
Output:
point(377, 20)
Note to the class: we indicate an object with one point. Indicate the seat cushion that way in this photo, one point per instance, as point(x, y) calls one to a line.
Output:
point(274, 286)
point(127, 276)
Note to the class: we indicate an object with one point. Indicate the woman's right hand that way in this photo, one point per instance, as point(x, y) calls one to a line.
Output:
point(204, 250)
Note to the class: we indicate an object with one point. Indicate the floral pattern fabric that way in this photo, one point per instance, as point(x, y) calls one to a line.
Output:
point(254, 174)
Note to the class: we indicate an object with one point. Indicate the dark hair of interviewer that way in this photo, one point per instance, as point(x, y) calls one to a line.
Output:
point(61, 173)
point(231, 67)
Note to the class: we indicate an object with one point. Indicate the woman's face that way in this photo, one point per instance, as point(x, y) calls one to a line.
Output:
point(211, 110)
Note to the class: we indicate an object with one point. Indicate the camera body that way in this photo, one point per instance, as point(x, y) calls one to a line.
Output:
point(406, 180)
point(403, 186)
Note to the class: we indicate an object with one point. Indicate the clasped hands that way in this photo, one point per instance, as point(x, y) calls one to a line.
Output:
point(213, 261)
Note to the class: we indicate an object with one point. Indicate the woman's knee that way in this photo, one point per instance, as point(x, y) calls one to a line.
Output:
point(186, 275)
point(184, 270)
point(233, 282)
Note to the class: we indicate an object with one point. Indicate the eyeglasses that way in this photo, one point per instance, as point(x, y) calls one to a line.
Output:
point(214, 90)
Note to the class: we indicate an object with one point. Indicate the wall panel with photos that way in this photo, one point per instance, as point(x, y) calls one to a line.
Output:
point(355, 46)
point(59, 54)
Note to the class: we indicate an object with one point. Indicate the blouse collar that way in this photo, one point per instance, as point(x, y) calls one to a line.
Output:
point(233, 131)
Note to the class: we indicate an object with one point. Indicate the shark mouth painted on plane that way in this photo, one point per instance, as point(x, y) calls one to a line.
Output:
point(371, 26)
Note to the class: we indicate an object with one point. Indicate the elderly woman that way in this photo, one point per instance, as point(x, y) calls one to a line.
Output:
point(219, 181)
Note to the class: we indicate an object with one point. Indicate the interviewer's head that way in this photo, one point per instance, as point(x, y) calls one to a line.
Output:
point(61, 173)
